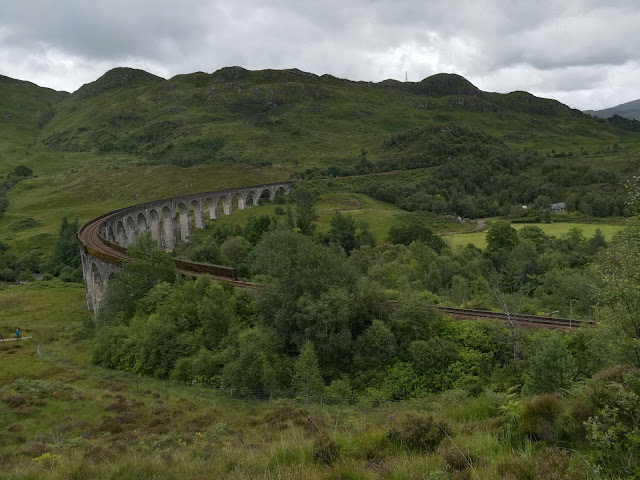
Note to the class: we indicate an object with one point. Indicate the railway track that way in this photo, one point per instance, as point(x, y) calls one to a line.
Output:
point(518, 319)
point(90, 239)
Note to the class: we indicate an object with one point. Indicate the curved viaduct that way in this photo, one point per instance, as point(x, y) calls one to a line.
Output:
point(104, 240)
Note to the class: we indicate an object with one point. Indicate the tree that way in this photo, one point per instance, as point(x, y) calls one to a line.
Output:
point(536, 236)
point(586, 208)
point(306, 214)
point(22, 171)
point(364, 235)
point(306, 372)
point(459, 289)
point(433, 356)
point(619, 292)
point(510, 306)
point(597, 242)
point(256, 362)
point(216, 315)
point(149, 267)
point(501, 236)
point(412, 320)
point(310, 293)
point(207, 252)
point(414, 227)
point(343, 231)
point(235, 250)
point(551, 368)
point(363, 165)
point(66, 251)
point(256, 227)
point(375, 349)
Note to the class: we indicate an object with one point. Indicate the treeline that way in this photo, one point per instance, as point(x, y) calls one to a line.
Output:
point(64, 262)
point(630, 124)
point(325, 302)
point(323, 324)
point(317, 327)
point(475, 175)
point(525, 271)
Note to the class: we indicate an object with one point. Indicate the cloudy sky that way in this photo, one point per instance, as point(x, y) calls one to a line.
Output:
point(585, 53)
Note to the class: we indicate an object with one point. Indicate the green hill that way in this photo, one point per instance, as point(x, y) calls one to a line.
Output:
point(268, 117)
point(25, 109)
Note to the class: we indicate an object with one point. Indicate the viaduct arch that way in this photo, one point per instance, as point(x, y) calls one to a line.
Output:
point(104, 240)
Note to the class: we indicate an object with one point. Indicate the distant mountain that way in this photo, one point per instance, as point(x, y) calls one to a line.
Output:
point(629, 110)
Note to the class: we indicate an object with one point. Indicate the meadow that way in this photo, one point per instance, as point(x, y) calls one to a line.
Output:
point(554, 229)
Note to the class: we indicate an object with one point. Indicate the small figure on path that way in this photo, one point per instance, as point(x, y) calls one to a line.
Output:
point(1, 337)
point(17, 334)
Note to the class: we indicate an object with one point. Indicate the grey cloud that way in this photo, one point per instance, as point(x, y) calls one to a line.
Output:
point(572, 49)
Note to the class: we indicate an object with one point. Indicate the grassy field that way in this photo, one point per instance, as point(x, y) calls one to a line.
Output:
point(62, 418)
point(379, 215)
point(99, 189)
point(555, 229)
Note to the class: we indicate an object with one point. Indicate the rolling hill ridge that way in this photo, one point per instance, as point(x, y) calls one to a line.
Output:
point(288, 116)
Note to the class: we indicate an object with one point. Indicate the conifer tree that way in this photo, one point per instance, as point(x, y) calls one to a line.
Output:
point(306, 214)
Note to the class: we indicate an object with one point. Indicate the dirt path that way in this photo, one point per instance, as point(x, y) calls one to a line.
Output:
point(12, 339)
point(480, 225)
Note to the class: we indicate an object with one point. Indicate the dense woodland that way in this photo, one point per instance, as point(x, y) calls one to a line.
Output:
point(324, 323)
point(472, 174)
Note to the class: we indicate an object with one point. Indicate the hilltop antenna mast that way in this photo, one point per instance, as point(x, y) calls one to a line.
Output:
point(405, 76)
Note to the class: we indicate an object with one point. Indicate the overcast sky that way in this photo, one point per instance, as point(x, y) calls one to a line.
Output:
point(580, 52)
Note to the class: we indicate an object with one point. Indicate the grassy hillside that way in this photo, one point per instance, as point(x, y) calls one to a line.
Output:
point(25, 109)
point(63, 418)
point(127, 137)
point(235, 115)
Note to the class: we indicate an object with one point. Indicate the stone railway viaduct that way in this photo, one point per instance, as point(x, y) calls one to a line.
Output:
point(104, 240)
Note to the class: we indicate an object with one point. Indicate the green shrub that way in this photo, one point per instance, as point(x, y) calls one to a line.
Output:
point(539, 417)
point(402, 382)
point(340, 390)
point(70, 274)
point(25, 224)
point(418, 432)
point(614, 431)
point(514, 467)
point(551, 368)
point(325, 450)
point(457, 458)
